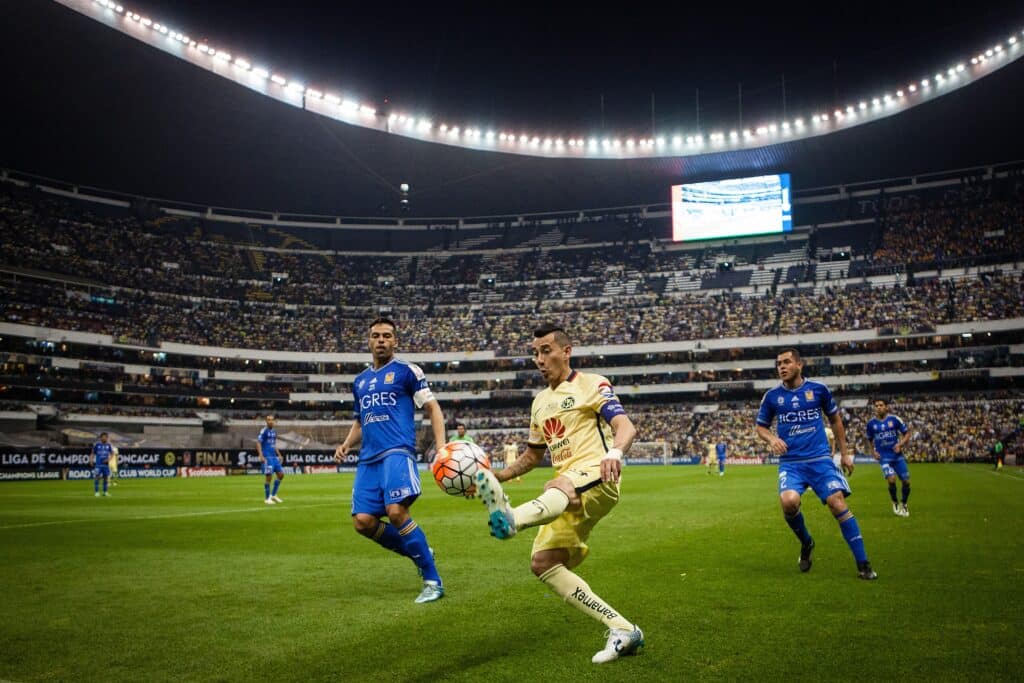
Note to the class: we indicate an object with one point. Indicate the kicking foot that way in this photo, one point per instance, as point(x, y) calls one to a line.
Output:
point(805, 556)
point(431, 591)
point(865, 571)
point(270, 501)
point(499, 512)
point(276, 499)
point(620, 644)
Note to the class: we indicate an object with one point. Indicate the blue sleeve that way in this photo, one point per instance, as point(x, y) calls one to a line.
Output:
point(766, 413)
point(355, 402)
point(901, 426)
point(826, 400)
point(415, 380)
point(867, 430)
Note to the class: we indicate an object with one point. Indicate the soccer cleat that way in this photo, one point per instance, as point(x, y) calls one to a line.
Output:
point(97, 494)
point(431, 591)
point(904, 510)
point(499, 512)
point(620, 644)
point(896, 510)
point(805, 556)
point(270, 501)
point(721, 474)
point(865, 571)
point(106, 493)
point(276, 499)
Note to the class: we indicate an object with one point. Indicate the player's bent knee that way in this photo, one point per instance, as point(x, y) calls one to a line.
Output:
point(365, 524)
point(790, 501)
point(565, 485)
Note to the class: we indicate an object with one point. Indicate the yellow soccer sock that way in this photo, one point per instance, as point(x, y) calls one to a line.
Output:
point(575, 590)
point(543, 509)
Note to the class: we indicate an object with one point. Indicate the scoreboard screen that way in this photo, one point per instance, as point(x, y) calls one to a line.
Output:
point(732, 208)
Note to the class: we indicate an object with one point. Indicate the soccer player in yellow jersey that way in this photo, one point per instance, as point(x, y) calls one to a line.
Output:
point(113, 465)
point(711, 459)
point(580, 420)
point(511, 452)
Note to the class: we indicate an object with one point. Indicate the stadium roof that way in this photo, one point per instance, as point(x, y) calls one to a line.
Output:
point(116, 113)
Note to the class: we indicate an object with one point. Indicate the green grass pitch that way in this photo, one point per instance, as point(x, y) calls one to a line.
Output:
point(171, 580)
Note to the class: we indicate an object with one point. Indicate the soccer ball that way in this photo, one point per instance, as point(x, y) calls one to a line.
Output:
point(456, 465)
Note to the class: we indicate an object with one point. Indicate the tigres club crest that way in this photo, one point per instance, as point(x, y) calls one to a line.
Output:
point(553, 429)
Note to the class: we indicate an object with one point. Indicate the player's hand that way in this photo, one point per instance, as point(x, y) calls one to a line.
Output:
point(778, 446)
point(846, 462)
point(339, 453)
point(611, 466)
point(878, 456)
point(897, 448)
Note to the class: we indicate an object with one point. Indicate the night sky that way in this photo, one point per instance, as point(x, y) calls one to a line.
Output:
point(545, 69)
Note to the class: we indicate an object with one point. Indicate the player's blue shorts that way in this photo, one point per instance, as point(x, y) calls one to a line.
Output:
point(101, 471)
point(272, 465)
point(392, 479)
point(897, 467)
point(820, 474)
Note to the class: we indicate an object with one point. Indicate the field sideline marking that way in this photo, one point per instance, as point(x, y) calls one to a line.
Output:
point(204, 513)
point(995, 473)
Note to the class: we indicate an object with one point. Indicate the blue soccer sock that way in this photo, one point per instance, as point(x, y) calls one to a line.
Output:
point(266, 490)
point(906, 491)
point(892, 491)
point(851, 532)
point(105, 480)
point(96, 485)
point(388, 536)
point(414, 542)
point(796, 523)
point(721, 466)
point(277, 485)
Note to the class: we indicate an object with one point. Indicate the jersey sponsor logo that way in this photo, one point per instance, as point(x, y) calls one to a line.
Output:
point(369, 419)
point(389, 378)
point(800, 415)
point(553, 428)
point(797, 431)
point(568, 403)
point(378, 399)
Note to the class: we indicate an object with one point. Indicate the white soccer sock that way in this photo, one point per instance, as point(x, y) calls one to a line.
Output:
point(543, 509)
point(575, 590)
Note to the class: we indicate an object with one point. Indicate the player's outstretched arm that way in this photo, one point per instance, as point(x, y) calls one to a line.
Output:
point(523, 464)
point(355, 436)
point(777, 445)
point(611, 463)
point(433, 410)
point(845, 459)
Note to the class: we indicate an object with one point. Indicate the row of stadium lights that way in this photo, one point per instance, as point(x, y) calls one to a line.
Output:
point(411, 124)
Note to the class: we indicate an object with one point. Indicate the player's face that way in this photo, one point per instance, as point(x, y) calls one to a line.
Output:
point(550, 358)
point(461, 430)
point(103, 438)
point(880, 409)
point(382, 342)
point(270, 421)
point(788, 367)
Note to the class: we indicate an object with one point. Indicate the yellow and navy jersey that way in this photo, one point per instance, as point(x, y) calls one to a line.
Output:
point(573, 420)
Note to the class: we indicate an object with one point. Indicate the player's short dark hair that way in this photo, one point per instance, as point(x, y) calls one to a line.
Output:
point(544, 329)
point(460, 424)
point(384, 321)
point(794, 351)
point(876, 399)
point(103, 434)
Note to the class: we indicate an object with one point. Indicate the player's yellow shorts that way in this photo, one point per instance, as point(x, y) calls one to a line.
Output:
point(572, 529)
point(713, 459)
point(113, 466)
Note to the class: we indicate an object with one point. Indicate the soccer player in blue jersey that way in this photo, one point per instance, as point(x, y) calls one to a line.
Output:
point(888, 435)
point(266, 446)
point(799, 407)
point(720, 448)
point(100, 462)
point(387, 482)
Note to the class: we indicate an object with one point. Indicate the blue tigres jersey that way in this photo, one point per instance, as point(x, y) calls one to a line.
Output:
point(800, 418)
point(720, 450)
point(884, 434)
point(268, 442)
point(385, 405)
point(102, 452)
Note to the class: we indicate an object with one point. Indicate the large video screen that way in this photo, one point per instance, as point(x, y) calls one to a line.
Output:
point(732, 208)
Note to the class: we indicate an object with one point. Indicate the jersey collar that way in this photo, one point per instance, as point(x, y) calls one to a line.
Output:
point(796, 388)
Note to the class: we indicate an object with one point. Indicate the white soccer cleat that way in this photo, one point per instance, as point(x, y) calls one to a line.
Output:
point(431, 591)
point(499, 512)
point(896, 510)
point(904, 510)
point(270, 501)
point(276, 499)
point(620, 644)
point(97, 494)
